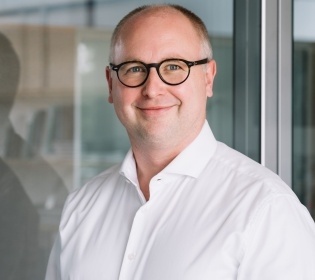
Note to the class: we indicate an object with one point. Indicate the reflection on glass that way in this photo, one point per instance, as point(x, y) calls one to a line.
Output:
point(102, 140)
point(19, 220)
point(304, 104)
point(32, 192)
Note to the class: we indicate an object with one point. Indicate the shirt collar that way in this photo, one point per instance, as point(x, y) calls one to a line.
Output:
point(191, 161)
point(129, 168)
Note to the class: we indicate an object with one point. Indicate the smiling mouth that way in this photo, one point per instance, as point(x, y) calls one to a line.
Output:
point(155, 110)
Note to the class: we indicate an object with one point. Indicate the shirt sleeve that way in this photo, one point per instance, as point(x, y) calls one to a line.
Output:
point(53, 267)
point(280, 242)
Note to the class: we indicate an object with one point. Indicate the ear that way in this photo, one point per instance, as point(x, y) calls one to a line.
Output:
point(210, 74)
point(109, 83)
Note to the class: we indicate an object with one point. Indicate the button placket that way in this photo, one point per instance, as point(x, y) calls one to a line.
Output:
point(134, 244)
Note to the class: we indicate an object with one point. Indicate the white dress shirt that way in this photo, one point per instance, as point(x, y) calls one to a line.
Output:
point(213, 214)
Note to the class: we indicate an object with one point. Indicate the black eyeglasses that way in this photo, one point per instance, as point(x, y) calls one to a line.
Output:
point(171, 71)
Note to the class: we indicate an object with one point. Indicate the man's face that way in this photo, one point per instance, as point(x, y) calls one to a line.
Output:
point(155, 113)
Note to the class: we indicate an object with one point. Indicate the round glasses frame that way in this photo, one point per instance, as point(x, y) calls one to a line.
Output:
point(157, 67)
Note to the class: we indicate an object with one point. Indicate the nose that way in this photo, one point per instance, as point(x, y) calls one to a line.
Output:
point(153, 85)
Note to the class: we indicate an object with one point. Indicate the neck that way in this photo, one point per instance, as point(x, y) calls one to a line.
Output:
point(153, 155)
point(150, 161)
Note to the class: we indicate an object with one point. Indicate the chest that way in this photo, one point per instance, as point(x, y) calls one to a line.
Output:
point(163, 239)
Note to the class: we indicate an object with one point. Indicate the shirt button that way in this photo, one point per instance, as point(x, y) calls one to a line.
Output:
point(127, 181)
point(131, 256)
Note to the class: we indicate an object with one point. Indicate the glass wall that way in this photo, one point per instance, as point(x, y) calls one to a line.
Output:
point(304, 103)
point(57, 128)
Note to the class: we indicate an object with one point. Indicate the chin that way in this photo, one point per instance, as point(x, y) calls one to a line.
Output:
point(157, 135)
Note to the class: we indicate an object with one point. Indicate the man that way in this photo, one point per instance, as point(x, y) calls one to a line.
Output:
point(181, 205)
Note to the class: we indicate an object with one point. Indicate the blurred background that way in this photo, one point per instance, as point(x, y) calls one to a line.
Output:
point(58, 130)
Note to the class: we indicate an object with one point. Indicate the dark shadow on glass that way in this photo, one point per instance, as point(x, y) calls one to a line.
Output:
point(26, 221)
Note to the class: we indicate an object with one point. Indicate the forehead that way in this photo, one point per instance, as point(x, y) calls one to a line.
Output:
point(158, 34)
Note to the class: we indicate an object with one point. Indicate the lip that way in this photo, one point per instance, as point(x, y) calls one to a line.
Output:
point(155, 110)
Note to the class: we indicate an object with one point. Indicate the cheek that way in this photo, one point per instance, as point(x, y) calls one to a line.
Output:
point(194, 93)
point(119, 104)
point(195, 101)
point(122, 101)
point(120, 109)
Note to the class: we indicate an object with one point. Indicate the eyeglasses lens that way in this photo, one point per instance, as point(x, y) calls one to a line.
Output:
point(170, 71)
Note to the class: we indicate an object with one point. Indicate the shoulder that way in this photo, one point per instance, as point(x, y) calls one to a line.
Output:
point(242, 164)
point(271, 209)
point(243, 181)
point(247, 170)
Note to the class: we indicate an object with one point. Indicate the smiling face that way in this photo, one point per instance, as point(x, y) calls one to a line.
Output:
point(157, 114)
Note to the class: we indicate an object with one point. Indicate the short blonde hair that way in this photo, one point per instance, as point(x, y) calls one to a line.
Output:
point(197, 23)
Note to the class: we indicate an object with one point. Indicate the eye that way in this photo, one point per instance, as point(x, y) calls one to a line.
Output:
point(136, 69)
point(132, 68)
point(173, 67)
